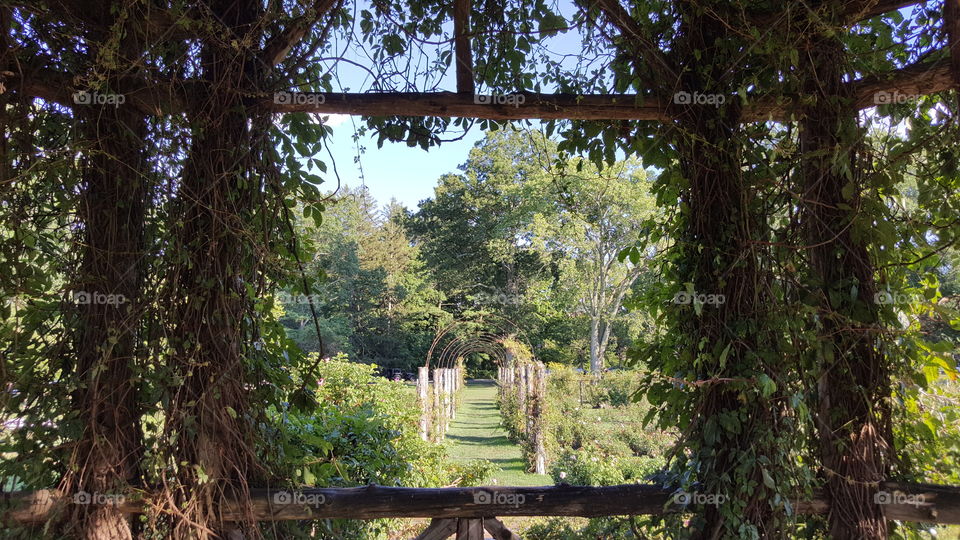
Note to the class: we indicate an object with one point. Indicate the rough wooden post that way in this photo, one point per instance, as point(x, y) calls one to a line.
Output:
point(537, 414)
point(423, 397)
point(437, 412)
point(451, 408)
point(522, 395)
point(444, 399)
point(470, 529)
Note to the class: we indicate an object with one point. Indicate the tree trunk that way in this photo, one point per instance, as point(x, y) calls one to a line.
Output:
point(596, 355)
point(719, 258)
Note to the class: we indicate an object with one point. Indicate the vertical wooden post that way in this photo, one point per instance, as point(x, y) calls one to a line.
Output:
point(423, 397)
point(437, 415)
point(451, 409)
point(522, 395)
point(442, 389)
point(539, 404)
point(461, 42)
point(470, 529)
point(531, 396)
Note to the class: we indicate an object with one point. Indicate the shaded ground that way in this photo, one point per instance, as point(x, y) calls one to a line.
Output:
point(476, 434)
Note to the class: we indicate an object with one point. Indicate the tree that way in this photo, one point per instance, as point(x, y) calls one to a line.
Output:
point(595, 216)
point(375, 301)
point(525, 223)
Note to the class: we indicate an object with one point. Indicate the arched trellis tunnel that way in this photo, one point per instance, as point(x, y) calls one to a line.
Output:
point(489, 335)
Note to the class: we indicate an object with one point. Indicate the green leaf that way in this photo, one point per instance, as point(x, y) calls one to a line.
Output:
point(767, 386)
point(768, 480)
point(723, 355)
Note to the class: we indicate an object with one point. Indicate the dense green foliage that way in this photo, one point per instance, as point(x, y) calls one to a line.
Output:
point(363, 431)
point(375, 301)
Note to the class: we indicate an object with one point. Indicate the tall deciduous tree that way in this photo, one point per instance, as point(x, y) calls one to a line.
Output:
point(594, 216)
point(530, 232)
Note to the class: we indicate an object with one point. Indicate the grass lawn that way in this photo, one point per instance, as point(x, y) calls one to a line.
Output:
point(476, 434)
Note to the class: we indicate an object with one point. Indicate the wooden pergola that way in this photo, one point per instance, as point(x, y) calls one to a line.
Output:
point(454, 510)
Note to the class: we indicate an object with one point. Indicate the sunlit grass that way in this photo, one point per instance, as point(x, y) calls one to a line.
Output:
point(476, 434)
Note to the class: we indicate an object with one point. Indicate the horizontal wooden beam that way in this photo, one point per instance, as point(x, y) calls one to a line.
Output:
point(517, 106)
point(159, 99)
point(905, 502)
point(905, 84)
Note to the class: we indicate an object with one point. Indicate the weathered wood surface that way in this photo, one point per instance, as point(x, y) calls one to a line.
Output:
point(470, 529)
point(914, 80)
point(917, 502)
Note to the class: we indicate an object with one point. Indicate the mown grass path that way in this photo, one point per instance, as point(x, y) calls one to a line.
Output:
point(476, 434)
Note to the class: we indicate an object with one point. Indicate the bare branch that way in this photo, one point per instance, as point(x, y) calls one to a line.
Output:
point(646, 49)
point(280, 45)
point(853, 11)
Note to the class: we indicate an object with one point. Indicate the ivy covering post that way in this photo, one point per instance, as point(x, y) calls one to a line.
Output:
point(212, 427)
point(719, 337)
point(853, 418)
point(106, 458)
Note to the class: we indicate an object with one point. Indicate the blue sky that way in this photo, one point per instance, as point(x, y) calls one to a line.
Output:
point(396, 170)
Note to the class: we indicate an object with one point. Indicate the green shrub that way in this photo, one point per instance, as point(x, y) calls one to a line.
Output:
point(556, 528)
point(362, 431)
point(587, 467)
